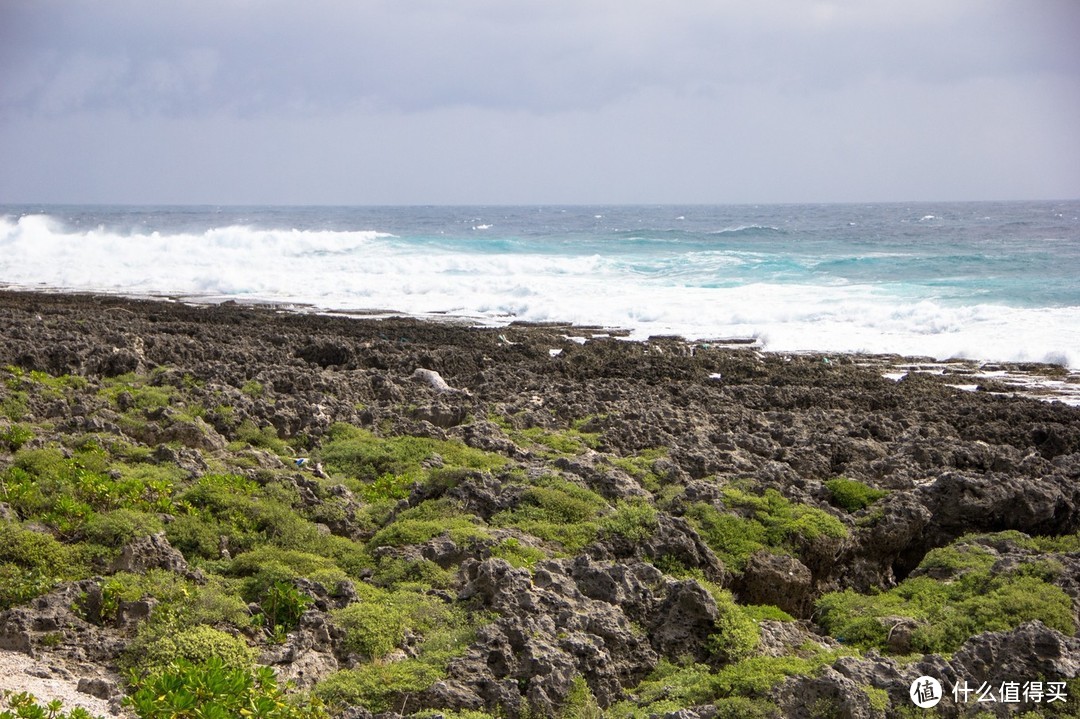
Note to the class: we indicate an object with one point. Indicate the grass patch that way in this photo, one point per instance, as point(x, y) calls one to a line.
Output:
point(970, 601)
point(379, 621)
point(754, 522)
point(851, 494)
point(737, 690)
point(428, 520)
point(556, 510)
point(388, 467)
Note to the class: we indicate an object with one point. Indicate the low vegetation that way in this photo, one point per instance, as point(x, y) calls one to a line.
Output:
point(375, 541)
point(954, 596)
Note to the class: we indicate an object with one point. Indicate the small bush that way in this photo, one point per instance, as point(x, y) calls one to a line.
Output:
point(376, 686)
point(377, 624)
point(253, 388)
point(14, 436)
point(737, 634)
point(265, 438)
point(215, 690)
point(267, 565)
point(119, 526)
point(160, 644)
point(853, 495)
point(447, 632)
point(22, 705)
point(428, 520)
point(31, 563)
point(633, 519)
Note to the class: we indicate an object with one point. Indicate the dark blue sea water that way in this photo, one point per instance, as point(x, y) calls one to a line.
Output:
point(995, 281)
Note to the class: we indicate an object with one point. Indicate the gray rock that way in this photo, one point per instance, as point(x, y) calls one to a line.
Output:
point(152, 552)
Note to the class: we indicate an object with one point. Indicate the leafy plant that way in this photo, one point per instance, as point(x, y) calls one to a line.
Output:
point(14, 436)
point(23, 705)
point(281, 607)
point(160, 644)
point(215, 690)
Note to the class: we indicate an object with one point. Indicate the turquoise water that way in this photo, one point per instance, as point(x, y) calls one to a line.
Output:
point(986, 280)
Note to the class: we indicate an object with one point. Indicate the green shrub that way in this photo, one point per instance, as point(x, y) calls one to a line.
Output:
point(31, 563)
point(253, 388)
point(558, 511)
point(117, 527)
point(447, 632)
point(428, 520)
point(264, 438)
point(376, 686)
point(14, 436)
point(158, 644)
point(632, 519)
point(737, 634)
point(215, 690)
point(734, 538)
point(853, 495)
point(280, 608)
point(213, 601)
point(580, 702)
point(22, 705)
point(144, 395)
point(267, 565)
point(411, 574)
point(377, 624)
point(641, 467)
point(765, 613)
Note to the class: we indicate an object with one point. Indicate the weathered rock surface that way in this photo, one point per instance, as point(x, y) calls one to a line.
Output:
point(952, 462)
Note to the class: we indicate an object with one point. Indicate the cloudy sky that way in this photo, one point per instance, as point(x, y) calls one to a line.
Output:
point(538, 101)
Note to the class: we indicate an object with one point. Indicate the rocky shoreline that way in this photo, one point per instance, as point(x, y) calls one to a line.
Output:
point(514, 521)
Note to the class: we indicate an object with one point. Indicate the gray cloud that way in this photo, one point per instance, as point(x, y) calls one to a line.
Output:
point(487, 100)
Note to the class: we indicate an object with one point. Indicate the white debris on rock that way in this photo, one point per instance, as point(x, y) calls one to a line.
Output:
point(434, 379)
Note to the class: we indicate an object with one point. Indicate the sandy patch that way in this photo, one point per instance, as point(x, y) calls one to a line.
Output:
point(48, 679)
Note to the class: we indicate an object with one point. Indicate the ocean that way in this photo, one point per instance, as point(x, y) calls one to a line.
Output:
point(995, 281)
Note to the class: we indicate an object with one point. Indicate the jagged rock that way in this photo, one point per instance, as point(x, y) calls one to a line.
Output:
point(1029, 651)
point(547, 632)
point(828, 694)
point(152, 552)
point(777, 579)
point(98, 687)
point(684, 621)
point(441, 415)
point(187, 459)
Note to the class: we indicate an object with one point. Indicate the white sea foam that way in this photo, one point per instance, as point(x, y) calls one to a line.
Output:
point(371, 269)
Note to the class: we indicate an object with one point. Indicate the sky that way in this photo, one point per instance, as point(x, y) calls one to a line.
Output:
point(538, 101)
